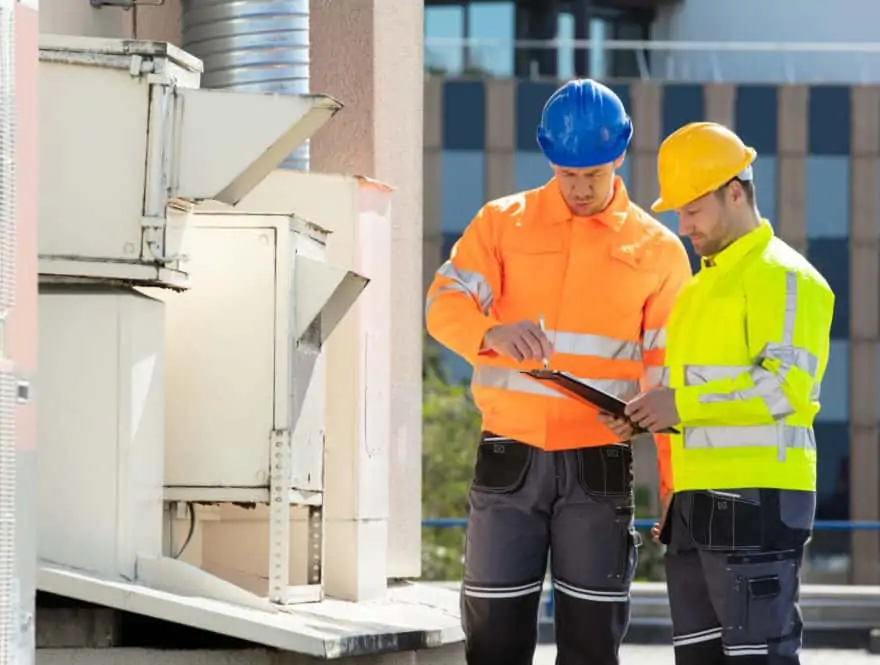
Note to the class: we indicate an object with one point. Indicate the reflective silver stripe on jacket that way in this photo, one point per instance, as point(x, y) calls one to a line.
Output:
point(656, 376)
point(464, 281)
point(476, 286)
point(654, 339)
point(664, 376)
point(785, 351)
point(587, 344)
point(780, 436)
point(767, 385)
point(510, 379)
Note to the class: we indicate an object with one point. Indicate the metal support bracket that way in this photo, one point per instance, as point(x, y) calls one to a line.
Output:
point(279, 516)
point(153, 230)
point(316, 544)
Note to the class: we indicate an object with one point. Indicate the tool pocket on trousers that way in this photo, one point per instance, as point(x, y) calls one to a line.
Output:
point(502, 465)
point(627, 545)
point(606, 470)
point(762, 599)
point(724, 522)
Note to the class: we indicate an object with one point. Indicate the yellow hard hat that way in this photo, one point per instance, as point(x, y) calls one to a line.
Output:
point(697, 159)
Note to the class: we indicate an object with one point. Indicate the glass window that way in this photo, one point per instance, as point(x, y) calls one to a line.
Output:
point(626, 64)
point(835, 385)
point(530, 170)
point(491, 25)
point(827, 194)
point(463, 187)
point(444, 23)
point(565, 52)
point(598, 69)
point(566, 34)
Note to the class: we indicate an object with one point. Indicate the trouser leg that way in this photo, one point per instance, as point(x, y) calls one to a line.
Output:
point(755, 597)
point(506, 552)
point(696, 629)
point(593, 555)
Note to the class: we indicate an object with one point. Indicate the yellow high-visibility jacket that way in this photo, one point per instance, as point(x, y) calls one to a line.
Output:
point(747, 347)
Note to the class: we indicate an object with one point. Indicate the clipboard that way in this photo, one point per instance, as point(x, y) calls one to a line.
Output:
point(583, 392)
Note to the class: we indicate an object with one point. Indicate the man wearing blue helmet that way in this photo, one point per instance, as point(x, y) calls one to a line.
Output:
point(576, 277)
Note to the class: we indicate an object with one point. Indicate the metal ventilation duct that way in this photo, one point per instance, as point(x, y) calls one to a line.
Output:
point(252, 46)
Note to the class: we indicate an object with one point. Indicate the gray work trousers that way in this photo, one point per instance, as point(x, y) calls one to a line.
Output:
point(578, 506)
point(733, 572)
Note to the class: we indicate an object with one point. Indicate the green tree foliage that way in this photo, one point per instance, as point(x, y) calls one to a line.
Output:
point(450, 431)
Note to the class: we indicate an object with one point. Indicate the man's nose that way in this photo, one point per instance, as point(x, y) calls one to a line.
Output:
point(684, 228)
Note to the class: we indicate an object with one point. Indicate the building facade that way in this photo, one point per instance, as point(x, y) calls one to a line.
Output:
point(748, 41)
point(504, 38)
point(817, 182)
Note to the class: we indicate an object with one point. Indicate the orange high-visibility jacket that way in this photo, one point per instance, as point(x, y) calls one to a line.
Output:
point(604, 285)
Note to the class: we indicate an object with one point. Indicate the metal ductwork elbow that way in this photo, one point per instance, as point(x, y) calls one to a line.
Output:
point(252, 46)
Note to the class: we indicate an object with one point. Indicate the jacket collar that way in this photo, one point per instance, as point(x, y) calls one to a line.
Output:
point(554, 209)
point(735, 251)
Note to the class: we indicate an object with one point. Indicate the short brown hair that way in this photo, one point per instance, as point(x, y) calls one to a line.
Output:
point(747, 185)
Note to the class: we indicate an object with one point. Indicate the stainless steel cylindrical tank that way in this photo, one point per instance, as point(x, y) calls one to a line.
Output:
point(252, 46)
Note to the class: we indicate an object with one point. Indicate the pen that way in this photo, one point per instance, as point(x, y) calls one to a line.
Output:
point(543, 330)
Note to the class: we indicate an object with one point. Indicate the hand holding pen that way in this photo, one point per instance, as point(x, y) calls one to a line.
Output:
point(544, 331)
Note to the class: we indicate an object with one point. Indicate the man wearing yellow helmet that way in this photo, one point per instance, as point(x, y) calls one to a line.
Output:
point(747, 346)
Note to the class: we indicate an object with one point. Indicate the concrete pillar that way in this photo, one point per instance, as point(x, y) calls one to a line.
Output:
point(864, 332)
point(21, 323)
point(645, 109)
point(156, 22)
point(161, 23)
point(432, 224)
point(500, 139)
point(720, 102)
point(368, 53)
point(62, 17)
point(791, 167)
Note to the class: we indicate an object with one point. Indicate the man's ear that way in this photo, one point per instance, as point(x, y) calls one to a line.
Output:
point(619, 161)
point(737, 193)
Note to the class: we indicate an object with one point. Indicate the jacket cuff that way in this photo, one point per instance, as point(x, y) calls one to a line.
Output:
point(479, 332)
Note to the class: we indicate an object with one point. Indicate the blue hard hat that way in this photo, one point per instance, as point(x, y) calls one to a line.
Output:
point(584, 124)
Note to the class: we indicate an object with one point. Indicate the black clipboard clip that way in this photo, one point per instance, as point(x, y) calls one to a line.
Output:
point(583, 392)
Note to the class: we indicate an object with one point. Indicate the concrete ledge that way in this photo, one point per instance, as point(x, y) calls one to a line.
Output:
point(411, 618)
point(61, 628)
point(448, 655)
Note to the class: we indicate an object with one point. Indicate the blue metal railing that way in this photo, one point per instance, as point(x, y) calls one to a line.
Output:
point(820, 525)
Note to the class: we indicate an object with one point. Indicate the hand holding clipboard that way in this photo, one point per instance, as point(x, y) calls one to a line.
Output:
point(582, 392)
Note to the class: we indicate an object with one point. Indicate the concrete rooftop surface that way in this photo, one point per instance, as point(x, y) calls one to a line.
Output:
point(662, 655)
